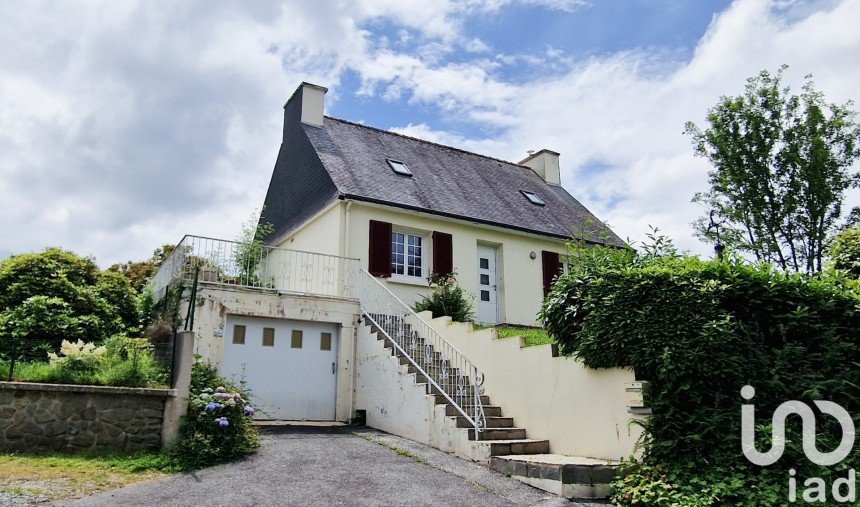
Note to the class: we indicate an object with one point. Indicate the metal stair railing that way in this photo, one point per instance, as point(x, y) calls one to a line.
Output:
point(445, 368)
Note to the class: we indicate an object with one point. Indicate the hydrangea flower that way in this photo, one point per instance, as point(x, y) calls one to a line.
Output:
point(220, 389)
point(249, 410)
point(211, 406)
point(223, 422)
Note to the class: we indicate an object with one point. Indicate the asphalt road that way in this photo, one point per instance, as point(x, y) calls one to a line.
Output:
point(333, 466)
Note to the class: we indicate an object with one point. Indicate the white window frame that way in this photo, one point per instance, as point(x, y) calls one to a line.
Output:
point(424, 257)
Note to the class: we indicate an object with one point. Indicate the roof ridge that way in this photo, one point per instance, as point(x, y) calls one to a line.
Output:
point(426, 141)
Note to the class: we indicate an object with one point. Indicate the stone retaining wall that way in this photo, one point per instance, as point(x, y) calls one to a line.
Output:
point(70, 418)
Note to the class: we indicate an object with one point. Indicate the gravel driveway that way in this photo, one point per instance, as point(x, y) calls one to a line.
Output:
point(330, 466)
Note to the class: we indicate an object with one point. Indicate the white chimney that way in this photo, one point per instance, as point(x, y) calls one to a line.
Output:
point(312, 104)
point(545, 163)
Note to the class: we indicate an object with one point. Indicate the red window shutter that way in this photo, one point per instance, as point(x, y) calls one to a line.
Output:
point(443, 253)
point(379, 263)
point(550, 269)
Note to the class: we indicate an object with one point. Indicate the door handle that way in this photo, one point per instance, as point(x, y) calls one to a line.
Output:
point(333, 368)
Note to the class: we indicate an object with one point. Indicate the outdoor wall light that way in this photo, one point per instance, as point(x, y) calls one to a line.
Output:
point(533, 256)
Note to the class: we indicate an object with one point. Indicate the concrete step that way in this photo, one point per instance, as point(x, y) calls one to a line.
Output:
point(440, 400)
point(489, 410)
point(492, 422)
point(499, 434)
point(482, 450)
point(567, 476)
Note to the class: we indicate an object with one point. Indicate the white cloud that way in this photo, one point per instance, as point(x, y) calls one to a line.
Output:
point(125, 125)
point(618, 119)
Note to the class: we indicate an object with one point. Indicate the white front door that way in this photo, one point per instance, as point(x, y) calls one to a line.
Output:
point(288, 365)
point(488, 285)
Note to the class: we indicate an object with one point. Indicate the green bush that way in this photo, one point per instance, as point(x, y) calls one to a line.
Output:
point(699, 331)
point(218, 426)
point(56, 295)
point(447, 299)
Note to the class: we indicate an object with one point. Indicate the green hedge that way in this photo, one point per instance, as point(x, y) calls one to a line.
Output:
point(701, 330)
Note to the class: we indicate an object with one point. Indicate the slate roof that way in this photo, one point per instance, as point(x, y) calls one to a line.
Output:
point(447, 181)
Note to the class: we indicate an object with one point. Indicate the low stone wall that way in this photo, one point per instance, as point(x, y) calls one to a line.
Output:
point(70, 418)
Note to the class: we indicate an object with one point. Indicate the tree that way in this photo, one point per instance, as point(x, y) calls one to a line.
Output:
point(781, 166)
point(249, 251)
point(55, 295)
point(844, 252)
point(138, 273)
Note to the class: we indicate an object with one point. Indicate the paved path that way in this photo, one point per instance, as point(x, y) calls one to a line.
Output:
point(332, 466)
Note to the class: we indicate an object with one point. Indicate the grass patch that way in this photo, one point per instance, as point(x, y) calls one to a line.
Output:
point(533, 335)
point(59, 476)
point(400, 451)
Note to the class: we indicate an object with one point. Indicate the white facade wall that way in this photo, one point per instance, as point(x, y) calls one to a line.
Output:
point(396, 404)
point(343, 229)
point(581, 411)
point(215, 304)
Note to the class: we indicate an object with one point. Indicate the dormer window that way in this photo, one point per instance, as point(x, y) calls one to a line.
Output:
point(533, 198)
point(398, 167)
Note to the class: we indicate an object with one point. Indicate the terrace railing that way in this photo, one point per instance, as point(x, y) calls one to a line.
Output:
point(231, 263)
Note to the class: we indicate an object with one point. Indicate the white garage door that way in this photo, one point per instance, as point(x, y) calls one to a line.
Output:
point(288, 365)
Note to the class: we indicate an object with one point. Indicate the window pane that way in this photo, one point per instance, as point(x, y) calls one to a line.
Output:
point(485, 263)
point(268, 337)
point(399, 167)
point(397, 252)
point(296, 339)
point(325, 341)
point(485, 295)
point(239, 335)
point(485, 279)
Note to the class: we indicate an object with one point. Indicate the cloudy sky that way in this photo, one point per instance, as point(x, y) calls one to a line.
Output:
point(124, 125)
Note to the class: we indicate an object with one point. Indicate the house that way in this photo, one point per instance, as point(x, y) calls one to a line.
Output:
point(408, 208)
point(318, 322)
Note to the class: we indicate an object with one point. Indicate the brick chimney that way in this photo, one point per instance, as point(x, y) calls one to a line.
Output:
point(545, 163)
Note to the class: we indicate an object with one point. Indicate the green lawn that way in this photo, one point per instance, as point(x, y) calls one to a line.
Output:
point(66, 476)
point(532, 335)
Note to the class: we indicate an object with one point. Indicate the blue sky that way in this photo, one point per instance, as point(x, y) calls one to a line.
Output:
point(124, 125)
point(582, 32)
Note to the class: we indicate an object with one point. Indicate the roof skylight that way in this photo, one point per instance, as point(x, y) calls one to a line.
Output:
point(399, 167)
point(533, 198)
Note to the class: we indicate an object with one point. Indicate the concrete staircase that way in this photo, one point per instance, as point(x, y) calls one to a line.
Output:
point(425, 415)
point(500, 437)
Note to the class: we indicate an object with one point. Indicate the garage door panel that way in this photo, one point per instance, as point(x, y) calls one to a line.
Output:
point(289, 366)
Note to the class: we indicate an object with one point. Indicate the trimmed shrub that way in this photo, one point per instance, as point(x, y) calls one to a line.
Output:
point(218, 426)
point(701, 330)
point(447, 300)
